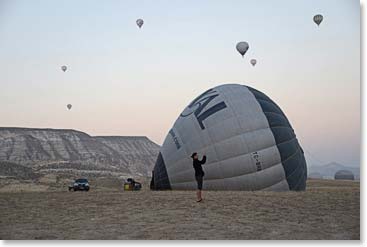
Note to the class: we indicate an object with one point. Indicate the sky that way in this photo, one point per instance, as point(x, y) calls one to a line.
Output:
point(122, 80)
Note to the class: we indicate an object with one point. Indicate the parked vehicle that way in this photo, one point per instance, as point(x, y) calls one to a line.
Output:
point(131, 185)
point(80, 184)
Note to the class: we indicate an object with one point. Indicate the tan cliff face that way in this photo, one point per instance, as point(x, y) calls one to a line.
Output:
point(59, 151)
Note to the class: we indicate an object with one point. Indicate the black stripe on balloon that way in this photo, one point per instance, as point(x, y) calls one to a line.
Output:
point(291, 153)
point(161, 180)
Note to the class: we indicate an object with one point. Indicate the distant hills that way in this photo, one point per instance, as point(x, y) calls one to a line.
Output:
point(328, 171)
point(30, 152)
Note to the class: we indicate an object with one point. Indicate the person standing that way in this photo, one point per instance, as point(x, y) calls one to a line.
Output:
point(199, 173)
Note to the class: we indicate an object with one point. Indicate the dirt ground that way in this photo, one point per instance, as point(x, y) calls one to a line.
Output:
point(327, 210)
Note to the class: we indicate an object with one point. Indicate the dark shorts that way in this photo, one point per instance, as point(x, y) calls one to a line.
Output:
point(199, 180)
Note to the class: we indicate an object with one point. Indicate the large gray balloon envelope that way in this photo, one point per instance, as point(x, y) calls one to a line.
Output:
point(253, 62)
point(139, 22)
point(242, 47)
point(249, 143)
point(318, 19)
point(64, 68)
point(69, 106)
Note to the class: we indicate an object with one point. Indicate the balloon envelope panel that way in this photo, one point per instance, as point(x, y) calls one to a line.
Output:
point(248, 140)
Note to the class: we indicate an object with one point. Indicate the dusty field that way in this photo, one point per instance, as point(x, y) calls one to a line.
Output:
point(327, 210)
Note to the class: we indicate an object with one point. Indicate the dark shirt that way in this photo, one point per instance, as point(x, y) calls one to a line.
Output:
point(197, 166)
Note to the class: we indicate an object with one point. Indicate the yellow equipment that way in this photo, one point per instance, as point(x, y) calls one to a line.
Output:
point(128, 186)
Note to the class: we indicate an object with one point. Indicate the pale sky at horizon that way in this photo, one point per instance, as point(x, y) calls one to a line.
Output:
point(126, 81)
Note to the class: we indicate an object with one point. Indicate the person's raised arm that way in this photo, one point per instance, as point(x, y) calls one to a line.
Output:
point(203, 160)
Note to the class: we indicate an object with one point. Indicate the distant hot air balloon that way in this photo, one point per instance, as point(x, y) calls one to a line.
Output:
point(253, 62)
point(242, 47)
point(318, 19)
point(69, 106)
point(64, 68)
point(344, 175)
point(139, 22)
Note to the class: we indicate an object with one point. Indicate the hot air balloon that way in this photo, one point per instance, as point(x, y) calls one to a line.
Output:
point(64, 68)
point(253, 62)
point(139, 22)
point(344, 175)
point(69, 106)
point(248, 141)
point(242, 47)
point(318, 19)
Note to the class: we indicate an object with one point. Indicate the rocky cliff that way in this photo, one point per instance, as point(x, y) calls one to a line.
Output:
point(70, 151)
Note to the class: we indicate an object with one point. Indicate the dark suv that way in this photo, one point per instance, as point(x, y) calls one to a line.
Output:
point(80, 184)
